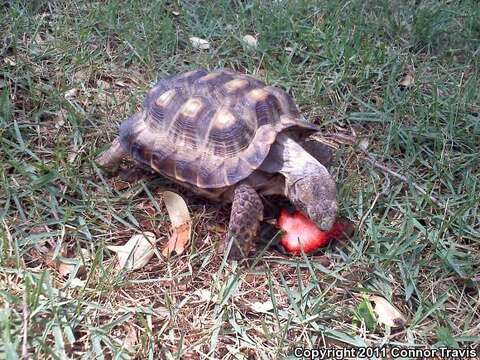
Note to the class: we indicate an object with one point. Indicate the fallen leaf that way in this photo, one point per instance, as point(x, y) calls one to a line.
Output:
point(82, 75)
point(69, 94)
point(162, 312)
point(65, 267)
point(120, 185)
point(407, 81)
point(121, 84)
point(250, 41)
point(73, 153)
point(177, 208)
point(178, 240)
point(136, 252)
point(217, 228)
point(260, 307)
point(323, 260)
point(64, 260)
point(205, 295)
point(102, 84)
point(199, 43)
point(387, 314)
point(9, 61)
point(77, 283)
point(363, 144)
point(131, 338)
point(125, 335)
point(61, 117)
point(181, 223)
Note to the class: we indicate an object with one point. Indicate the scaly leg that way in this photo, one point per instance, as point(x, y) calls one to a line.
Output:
point(110, 159)
point(247, 212)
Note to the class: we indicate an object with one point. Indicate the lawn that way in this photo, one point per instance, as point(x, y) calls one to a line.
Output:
point(394, 85)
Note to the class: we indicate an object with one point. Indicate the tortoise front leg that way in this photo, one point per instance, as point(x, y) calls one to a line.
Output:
point(110, 159)
point(247, 212)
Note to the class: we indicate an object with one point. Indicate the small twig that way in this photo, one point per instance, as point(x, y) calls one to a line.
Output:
point(351, 140)
point(384, 168)
point(342, 138)
point(364, 216)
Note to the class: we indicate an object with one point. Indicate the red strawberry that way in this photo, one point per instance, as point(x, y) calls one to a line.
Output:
point(300, 232)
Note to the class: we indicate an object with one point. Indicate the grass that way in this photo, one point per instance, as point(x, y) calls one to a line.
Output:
point(71, 71)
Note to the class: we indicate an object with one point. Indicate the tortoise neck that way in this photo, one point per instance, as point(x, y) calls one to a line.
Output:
point(291, 160)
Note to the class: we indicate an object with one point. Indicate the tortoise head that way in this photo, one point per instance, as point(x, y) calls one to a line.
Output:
point(315, 196)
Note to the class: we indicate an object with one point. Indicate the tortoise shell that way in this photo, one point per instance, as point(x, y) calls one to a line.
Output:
point(209, 129)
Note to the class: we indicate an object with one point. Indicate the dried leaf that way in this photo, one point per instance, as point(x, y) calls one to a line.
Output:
point(82, 75)
point(177, 209)
point(73, 153)
point(250, 41)
point(363, 144)
point(61, 117)
point(136, 252)
point(63, 260)
point(122, 84)
point(77, 283)
point(323, 260)
point(65, 268)
point(120, 185)
point(260, 307)
point(217, 228)
point(205, 295)
point(178, 240)
point(10, 61)
point(131, 338)
point(387, 314)
point(102, 84)
point(199, 43)
point(407, 81)
point(181, 223)
point(38, 39)
point(69, 94)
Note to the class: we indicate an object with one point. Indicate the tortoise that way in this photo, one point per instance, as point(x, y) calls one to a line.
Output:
point(230, 138)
